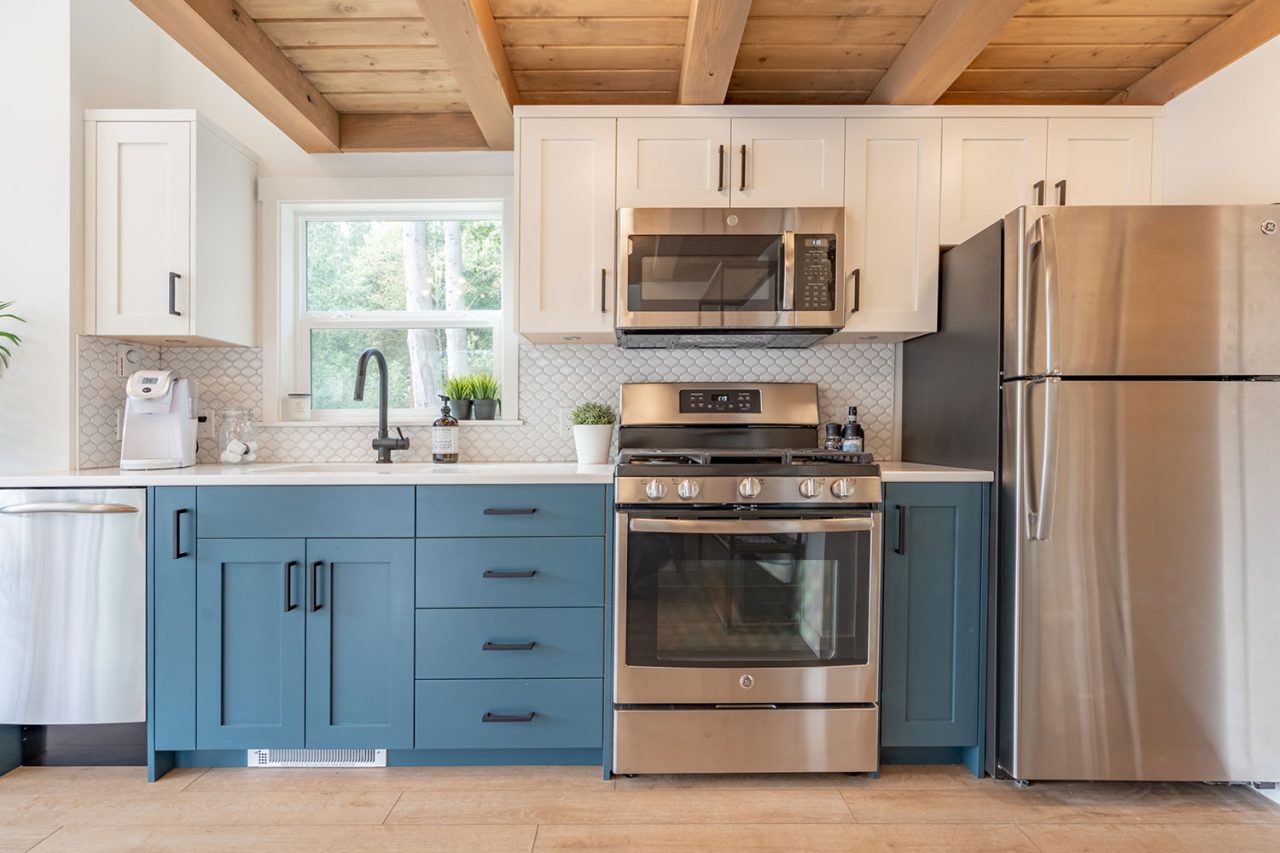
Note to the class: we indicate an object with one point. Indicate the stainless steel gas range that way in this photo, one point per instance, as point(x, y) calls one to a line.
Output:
point(748, 588)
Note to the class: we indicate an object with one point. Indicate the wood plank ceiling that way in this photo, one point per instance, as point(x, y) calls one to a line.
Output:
point(384, 65)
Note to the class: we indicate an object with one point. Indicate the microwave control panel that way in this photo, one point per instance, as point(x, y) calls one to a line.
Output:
point(815, 272)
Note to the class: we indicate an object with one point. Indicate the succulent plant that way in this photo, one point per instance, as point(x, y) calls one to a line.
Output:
point(592, 414)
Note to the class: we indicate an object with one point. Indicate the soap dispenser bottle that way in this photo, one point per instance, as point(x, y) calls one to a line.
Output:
point(444, 435)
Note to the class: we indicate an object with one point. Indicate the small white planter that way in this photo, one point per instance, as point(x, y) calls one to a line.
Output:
point(592, 441)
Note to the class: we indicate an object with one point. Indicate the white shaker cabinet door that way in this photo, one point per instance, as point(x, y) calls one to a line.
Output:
point(566, 242)
point(673, 162)
point(141, 228)
point(891, 227)
point(787, 162)
point(1100, 160)
point(989, 167)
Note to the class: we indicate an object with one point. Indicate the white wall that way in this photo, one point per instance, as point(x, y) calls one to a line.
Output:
point(1222, 137)
point(35, 211)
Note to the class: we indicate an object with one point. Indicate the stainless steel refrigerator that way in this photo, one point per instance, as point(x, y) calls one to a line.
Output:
point(1119, 368)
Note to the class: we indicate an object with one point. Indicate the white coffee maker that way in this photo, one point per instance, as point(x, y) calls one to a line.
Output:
point(159, 421)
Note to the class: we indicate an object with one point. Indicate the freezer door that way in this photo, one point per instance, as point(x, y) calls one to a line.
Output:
point(73, 617)
point(1142, 291)
point(1140, 582)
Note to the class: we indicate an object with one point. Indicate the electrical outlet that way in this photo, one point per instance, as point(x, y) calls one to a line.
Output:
point(565, 425)
point(204, 427)
point(127, 360)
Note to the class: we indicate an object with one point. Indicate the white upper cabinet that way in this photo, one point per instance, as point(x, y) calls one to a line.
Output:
point(566, 215)
point(891, 227)
point(1100, 160)
point(673, 162)
point(779, 162)
point(170, 229)
point(989, 167)
point(723, 162)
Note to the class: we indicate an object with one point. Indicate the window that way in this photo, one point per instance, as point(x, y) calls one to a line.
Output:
point(426, 283)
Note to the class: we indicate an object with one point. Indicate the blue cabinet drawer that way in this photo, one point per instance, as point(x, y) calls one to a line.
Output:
point(509, 714)
point(331, 512)
point(514, 572)
point(533, 642)
point(558, 510)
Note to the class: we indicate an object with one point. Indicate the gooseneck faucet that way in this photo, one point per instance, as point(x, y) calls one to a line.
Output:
point(384, 444)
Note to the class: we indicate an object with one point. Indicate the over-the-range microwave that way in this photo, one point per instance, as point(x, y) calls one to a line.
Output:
point(729, 277)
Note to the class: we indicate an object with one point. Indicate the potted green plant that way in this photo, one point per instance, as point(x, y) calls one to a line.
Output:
point(460, 393)
point(592, 432)
point(10, 337)
point(485, 390)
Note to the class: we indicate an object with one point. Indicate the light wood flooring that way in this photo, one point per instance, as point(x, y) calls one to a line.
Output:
point(569, 808)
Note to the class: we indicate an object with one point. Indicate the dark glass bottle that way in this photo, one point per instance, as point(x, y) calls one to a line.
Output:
point(444, 435)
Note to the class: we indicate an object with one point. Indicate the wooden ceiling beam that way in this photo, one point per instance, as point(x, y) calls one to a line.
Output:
point(468, 37)
point(947, 40)
point(411, 132)
point(1247, 29)
point(711, 48)
point(223, 37)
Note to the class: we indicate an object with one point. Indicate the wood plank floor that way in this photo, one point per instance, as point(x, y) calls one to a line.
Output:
point(526, 809)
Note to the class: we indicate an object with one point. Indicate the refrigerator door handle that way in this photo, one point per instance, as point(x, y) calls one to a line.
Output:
point(1048, 230)
point(1040, 520)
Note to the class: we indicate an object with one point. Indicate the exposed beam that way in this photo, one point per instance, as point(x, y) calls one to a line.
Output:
point(223, 37)
point(410, 132)
point(947, 40)
point(1248, 28)
point(711, 49)
point(469, 40)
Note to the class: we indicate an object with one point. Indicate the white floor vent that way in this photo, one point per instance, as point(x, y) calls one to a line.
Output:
point(317, 758)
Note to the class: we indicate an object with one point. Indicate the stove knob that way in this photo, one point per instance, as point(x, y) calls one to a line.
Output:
point(688, 489)
point(655, 490)
point(749, 487)
point(810, 487)
point(843, 487)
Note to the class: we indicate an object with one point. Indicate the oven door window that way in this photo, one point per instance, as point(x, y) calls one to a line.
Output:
point(705, 272)
point(764, 599)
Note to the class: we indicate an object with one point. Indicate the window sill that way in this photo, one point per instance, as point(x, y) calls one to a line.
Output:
point(415, 423)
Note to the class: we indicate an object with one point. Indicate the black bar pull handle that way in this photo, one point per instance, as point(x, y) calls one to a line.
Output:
point(490, 646)
point(720, 171)
point(903, 515)
point(490, 717)
point(604, 290)
point(288, 585)
point(311, 586)
point(173, 294)
point(1038, 186)
point(743, 186)
point(857, 290)
point(509, 573)
point(1061, 187)
point(499, 510)
point(178, 553)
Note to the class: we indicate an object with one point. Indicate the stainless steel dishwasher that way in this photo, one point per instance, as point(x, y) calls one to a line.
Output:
point(73, 569)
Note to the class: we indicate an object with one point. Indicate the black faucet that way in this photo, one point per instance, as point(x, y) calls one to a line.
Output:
point(384, 444)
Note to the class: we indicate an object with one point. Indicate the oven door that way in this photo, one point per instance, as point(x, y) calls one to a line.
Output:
point(726, 609)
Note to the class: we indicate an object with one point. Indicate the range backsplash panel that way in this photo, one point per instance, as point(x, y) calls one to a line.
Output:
point(551, 377)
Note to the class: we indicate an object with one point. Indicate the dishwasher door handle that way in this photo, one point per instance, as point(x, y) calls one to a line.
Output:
point(66, 506)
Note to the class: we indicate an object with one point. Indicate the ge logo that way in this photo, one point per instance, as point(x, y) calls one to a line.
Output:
point(746, 681)
point(1269, 227)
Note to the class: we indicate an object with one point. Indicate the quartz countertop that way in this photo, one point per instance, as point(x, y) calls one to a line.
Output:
point(402, 473)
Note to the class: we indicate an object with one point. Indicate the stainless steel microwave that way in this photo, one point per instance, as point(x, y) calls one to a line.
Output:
point(729, 277)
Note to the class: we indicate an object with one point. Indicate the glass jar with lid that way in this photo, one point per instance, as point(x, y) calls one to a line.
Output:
point(237, 439)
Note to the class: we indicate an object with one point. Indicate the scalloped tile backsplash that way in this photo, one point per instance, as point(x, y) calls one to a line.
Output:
point(550, 377)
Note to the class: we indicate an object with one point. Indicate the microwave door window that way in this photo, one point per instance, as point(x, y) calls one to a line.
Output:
point(700, 273)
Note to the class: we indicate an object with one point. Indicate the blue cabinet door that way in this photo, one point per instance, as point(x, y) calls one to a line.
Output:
point(173, 609)
point(360, 643)
point(934, 559)
point(250, 643)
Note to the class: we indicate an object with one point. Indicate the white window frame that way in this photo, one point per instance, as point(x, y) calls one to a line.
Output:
point(286, 339)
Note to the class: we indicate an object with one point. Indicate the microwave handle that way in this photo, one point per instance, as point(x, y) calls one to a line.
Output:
point(787, 275)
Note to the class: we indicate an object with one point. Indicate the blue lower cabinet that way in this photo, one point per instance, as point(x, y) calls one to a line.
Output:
point(250, 630)
point(550, 510)
point(534, 642)
point(173, 609)
point(550, 713)
point(935, 558)
point(360, 644)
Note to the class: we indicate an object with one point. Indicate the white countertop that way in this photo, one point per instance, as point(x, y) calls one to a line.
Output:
point(403, 473)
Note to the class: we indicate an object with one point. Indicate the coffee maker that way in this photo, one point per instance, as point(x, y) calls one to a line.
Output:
point(160, 421)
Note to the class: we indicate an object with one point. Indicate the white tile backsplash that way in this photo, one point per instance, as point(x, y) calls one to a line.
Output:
point(550, 377)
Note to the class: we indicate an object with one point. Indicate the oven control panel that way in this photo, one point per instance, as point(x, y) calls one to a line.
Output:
point(748, 489)
point(705, 402)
